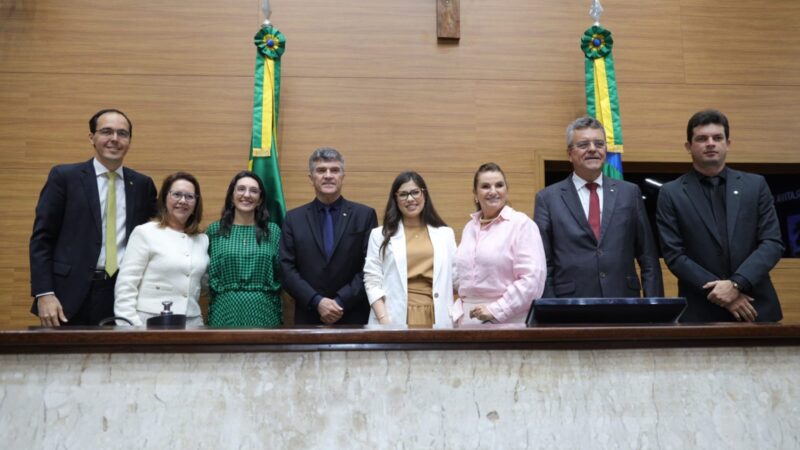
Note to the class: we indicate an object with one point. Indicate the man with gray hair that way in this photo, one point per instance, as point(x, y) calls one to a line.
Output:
point(323, 247)
point(593, 227)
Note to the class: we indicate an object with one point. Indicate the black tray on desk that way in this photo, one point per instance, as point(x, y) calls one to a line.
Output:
point(606, 310)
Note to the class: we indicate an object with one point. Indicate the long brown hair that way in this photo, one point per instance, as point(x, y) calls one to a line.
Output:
point(193, 223)
point(393, 216)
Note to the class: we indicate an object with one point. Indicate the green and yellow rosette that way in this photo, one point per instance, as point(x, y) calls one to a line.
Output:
point(270, 42)
point(270, 45)
point(602, 101)
point(597, 42)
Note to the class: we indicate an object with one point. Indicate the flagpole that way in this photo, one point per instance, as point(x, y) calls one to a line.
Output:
point(270, 45)
point(594, 12)
point(267, 11)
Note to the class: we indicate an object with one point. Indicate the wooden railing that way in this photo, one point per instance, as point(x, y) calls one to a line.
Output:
point(488, 337)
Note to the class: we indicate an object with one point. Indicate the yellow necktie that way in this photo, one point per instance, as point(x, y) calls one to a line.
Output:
point(111, 224)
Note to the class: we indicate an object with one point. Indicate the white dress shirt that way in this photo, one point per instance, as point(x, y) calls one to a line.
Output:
point(584, 192)
point(102, 188)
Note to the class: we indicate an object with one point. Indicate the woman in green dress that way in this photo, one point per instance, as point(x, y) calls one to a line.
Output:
point(243, 275)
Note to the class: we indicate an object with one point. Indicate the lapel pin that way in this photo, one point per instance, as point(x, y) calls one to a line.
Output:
point(735, 192)
point(344, 214)
point(612, 189)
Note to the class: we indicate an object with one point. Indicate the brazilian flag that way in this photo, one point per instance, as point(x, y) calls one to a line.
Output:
point(270, 45)
point(602, 101)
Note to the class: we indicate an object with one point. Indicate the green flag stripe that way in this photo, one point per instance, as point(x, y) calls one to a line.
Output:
point(611, 172)
point(258, 98)
point(614, 99)
point(589, 69)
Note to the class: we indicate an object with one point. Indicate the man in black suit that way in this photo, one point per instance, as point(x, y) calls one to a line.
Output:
point(594, 227)
point(719, 231)
point(72, 275)
point(323, 247)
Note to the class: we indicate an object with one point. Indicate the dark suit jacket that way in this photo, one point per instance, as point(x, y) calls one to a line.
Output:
point(67, 231)
point(306, 272)
point(580, 266)
point(691, 245)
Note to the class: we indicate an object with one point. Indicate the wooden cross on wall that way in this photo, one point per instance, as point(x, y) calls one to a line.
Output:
point(448, 19)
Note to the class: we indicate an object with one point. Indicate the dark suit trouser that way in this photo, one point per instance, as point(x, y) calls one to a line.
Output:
point(98, 304)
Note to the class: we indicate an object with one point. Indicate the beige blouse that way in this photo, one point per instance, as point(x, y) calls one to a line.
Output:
point(419, 254)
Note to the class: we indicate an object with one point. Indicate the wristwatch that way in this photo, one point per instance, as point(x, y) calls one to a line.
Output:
point(736, 285)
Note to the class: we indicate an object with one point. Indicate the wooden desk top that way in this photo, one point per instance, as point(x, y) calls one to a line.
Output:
point(206, 340)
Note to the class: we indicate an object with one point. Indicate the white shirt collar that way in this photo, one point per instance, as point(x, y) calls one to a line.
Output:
point(580, 182)
point(100, 169)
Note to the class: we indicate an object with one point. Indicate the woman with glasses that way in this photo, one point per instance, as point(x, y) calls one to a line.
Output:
point(243, 275)
point(501, 261)
point(165, 259)
point(409, 270)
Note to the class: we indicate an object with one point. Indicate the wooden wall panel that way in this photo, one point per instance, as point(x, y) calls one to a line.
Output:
point(202, 37)
point(18, 188)
point(500, 39)
point(371, 79)
point(655, 116)
point(753, 43)
point(181, 123)
point(406, 123)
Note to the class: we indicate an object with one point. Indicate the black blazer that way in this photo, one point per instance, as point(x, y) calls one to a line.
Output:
point(578, 265)
point(67, 231)
point(306, 272)
point(692, 247)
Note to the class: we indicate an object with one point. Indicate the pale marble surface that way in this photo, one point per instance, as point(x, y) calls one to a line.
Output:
point(661, 398)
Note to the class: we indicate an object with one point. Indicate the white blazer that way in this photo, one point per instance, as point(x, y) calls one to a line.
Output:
point(160, 264)
point(386, 276)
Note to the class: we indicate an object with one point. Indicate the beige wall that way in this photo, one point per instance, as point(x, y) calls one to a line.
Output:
point(370, 79)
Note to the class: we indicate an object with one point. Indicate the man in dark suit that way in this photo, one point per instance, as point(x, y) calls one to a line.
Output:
point(719, 231)
point(594, 227)
point(73, 256)
point(323, 247)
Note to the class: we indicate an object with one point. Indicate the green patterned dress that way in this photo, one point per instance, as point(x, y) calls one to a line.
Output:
point(243, 278)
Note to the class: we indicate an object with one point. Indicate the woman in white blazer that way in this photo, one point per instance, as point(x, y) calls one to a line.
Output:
point(410, 265)
point(165, 259)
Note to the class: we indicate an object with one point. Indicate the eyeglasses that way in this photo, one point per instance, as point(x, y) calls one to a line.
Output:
point(178, 195)
point(108, 132)
point(584, 145)
point(403, 195)
point(241, 190)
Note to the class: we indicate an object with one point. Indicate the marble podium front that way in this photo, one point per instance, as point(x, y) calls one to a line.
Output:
point(703, 397)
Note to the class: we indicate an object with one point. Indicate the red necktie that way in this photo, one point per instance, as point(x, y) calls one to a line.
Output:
point(594, 209)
